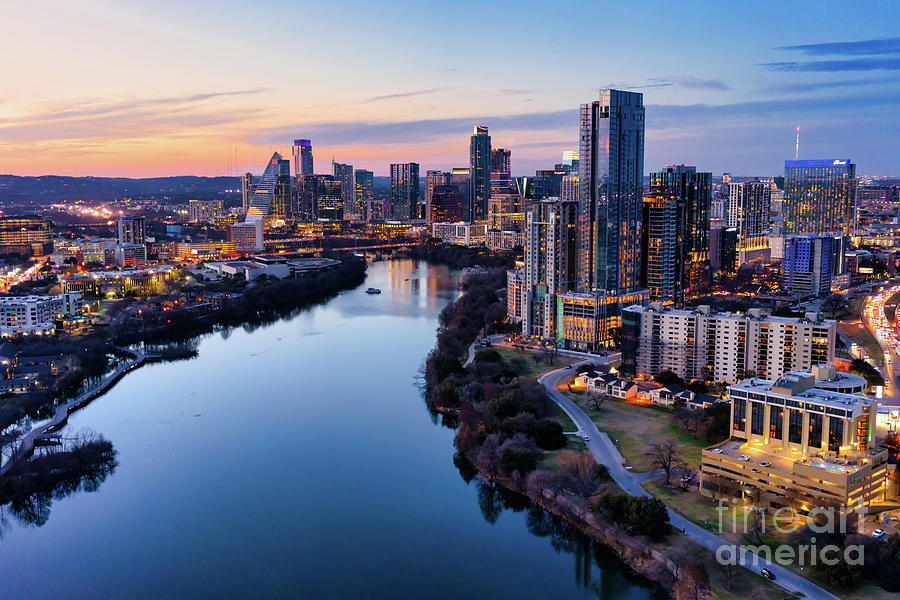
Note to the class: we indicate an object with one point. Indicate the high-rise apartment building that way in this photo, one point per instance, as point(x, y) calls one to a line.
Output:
point(205, 211)
point(328, 198)
point(480, 173)
point(723, 243)
point(445, 205)
point(365, 192)
point(551, 246)
point(28, 235)
point(659, 248)
point(404, 191)
point(809, 263)
point(303, 157)
point(748, 212)
point(692, 192)
point(344, 174)
point(819, 196)
point(703, 344)
point(131, 230)
point(611, 169)
point(501, 174)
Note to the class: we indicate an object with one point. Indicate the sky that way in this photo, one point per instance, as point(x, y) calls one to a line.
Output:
point(141, 88)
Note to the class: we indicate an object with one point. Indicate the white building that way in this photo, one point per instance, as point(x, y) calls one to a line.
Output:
point(130, 255)
point(748, 212)
point(461, 233)
point(702, 344)
point(25, 315)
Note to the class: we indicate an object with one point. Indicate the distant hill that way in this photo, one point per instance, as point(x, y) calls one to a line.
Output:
point(55, 188)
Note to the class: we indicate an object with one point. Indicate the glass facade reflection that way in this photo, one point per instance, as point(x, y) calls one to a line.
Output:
point(819, 196)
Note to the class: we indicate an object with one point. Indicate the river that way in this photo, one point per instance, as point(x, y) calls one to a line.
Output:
point(298, 459)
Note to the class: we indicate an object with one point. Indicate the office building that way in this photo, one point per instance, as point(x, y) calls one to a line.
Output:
point(303, 157)
point(723, 244)
point(796, 444)
point(130, 255)
point(505, 239)
point(404, 191)
point(551, 265)
point(809, 263)
point(748, 212)
point(706, 345)
point(26, 235)
point(819, 196)
point(247, 236)
point(460, 233)
point(328, 198)
point(273, 198)
point(589, 321)
point(480, 173)
point(131, 230)
point(344, 174)
point(247, 189)
point(445, 205)
point(692, 192)
point(365, 193)
point(611, 170)
point(205, 211)
point(501, 174)
point(659, 249)
point(506, 211)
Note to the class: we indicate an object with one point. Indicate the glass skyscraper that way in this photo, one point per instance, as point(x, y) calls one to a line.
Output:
point(404, 191)
point(273, 196)
point(303, 157)
point(819, 196)
point(610, 176)
point(480, 172)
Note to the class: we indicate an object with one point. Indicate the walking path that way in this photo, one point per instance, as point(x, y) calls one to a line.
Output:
point(61, 416)
point(605, 453)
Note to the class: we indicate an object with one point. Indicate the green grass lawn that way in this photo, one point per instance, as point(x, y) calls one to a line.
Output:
point(535, 369)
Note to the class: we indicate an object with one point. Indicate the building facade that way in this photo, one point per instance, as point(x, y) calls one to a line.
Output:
point(480, 173)
point(303, 157)
point(344, 174)
point(819, 196)
point(659, 249)
point(809, 262)
point(404, 191)
point(28, 235)
point(748, 212)
point(365, 192)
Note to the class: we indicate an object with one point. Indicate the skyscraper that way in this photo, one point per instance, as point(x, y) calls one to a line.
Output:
point(329, 200)
point(446, 204)
point(659, 246)
point(365, 192)
point(246, 191)
point(344, 174)
point(404, 191)
point(303, 157)
point(131, 230)
point(611, 168)
point(748, 212)
point(263, 202)
point(693, 195)
point(480, 172)
point(819, 196)
point(500, 171)
point(433, 179)
point(809, 263)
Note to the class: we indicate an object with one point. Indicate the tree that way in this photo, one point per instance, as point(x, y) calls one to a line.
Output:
point(647, 516)
point(595, 401)
point(665, 457)
point(834, 304)
point(688, 478)
point(548, 434)
point(862, 368)
point(518, 459)
point(729, 571)
point(668, 378)
point(694, 583)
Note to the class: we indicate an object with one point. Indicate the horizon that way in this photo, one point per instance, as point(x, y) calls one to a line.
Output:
point(190, 95)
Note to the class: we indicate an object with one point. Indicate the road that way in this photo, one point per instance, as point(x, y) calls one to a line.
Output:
point(605, 453)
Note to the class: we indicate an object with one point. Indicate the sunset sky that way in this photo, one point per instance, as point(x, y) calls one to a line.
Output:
point(141, 88)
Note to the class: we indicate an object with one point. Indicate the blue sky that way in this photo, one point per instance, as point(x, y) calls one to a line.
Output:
point(153, 88)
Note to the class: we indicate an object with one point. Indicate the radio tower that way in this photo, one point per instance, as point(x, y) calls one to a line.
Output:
point(797, 150)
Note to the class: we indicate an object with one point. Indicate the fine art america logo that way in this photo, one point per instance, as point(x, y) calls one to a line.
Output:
point(786, 521)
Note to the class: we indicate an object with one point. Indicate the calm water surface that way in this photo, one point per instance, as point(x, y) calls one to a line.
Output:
point(298, 460)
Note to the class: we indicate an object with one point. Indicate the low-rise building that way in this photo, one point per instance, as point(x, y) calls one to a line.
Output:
point(590, 321)
point(504, 240)
point(793, 444)
point(27, 315)
point(461, 233)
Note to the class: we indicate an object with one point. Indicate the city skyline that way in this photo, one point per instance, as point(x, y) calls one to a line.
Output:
point(222, 105)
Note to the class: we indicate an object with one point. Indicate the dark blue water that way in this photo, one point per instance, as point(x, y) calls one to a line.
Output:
point(298, 460)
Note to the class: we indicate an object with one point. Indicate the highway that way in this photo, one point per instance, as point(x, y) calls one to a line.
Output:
point(605, 453)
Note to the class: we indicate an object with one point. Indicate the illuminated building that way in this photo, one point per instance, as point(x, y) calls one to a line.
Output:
point(461, 233)
point(795, 444)
point(344, 174)
point(504, 239)
point(480, 173)
point(201, 250)
point(589, 321)
point(365, 192)
point(568, 187)
point(819, 196)
point(328, 200)
point(500, 171)
point(445, 204)
point(692, 192)
point(27, 315)
point(748, 212)
point(723, 242)
point(247, 236)
point(389, 229)
point(506, 211)
point(515, 295)
point(809, 263)
point(141, 282)
point(205, 211)
point(659, 248)
point(404, 191)
point(550, 263)
point(611, 170)
point(247, 189)
point(25, 235)
point(707, 345)
point(130, 255)
point(272, 199)
point(303, 157)
point(131, 230)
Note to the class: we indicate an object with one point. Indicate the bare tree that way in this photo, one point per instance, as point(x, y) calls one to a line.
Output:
point(729, 571)
point(665, 457)
point(595, 401)
point(538, 482)
point(688, 477)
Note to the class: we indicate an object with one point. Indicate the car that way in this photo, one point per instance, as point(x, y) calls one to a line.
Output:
point(764, 463)
point(768, 574)
point(755, 470)
point(743, 457)
point(878, 533)
point(717, 451)
point(587, 439)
